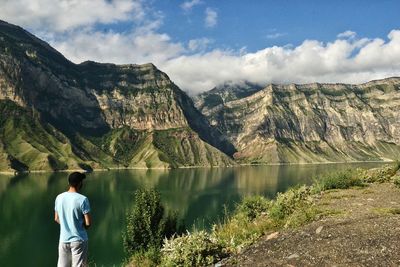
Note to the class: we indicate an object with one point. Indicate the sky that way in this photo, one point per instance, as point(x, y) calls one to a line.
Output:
point(203, 43)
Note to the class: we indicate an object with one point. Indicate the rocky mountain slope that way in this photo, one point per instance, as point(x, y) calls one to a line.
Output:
point(225, 92)
point(310, 122)
point(59, 115)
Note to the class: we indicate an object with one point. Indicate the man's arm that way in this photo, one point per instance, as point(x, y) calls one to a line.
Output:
point(88, 220)
point(86, 213)
point(56, 218)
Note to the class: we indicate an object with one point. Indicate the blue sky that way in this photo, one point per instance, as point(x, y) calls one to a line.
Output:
point(202, 43)
point(257, 24)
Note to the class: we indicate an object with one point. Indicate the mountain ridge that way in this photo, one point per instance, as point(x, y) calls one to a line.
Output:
point(127, 107)
point(103, 115)
point(313, 122)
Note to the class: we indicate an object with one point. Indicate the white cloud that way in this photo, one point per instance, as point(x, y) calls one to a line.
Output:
point(343, 60)
point(64, 15)
point(200, 44)
point(347, 34)
point(123, 48)
point(275, 35)
point(192, 65)
point(188, 5)
point(348, 61)
point(211, 18)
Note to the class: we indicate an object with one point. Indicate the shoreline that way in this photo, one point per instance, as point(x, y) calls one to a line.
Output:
point(14, 173)
point(317, 163)
point(337, 227)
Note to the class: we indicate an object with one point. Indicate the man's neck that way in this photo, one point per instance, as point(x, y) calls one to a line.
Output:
point(72, 189)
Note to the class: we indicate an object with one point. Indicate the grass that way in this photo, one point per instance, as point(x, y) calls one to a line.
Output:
point(147, 258)
point(332, 213)
point(387, 211)
point(256, 216)
point(344, 196)
point(396, 181)
point(252, 218)
point(381, 175)
point(339, 180)
point(199, 249)
point(122, 144)
point(34, 144)
point(183, 147)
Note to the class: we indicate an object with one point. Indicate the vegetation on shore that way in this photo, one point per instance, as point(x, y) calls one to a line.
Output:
point(255, 216)
point(147, 224)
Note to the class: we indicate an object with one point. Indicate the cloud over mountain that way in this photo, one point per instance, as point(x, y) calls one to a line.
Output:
point(63, 15)
point(84, 30)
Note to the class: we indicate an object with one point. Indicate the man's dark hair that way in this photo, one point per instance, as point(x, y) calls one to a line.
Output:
point(75, 178)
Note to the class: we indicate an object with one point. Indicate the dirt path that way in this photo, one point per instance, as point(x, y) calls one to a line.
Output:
point(362, 230)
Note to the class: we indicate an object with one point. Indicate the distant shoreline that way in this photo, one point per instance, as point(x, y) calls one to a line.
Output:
point(14, 173)
point(316, 163)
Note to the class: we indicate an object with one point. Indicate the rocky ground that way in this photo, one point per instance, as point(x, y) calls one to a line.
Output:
point(362, 229)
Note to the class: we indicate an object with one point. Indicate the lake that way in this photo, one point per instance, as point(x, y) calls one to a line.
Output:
point(29, 236)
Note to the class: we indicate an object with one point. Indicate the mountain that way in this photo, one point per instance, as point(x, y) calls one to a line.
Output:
point(225, 92)
point(309, 122)
point(59, 115)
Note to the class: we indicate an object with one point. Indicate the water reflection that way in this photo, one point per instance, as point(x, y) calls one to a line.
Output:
point(29, 237)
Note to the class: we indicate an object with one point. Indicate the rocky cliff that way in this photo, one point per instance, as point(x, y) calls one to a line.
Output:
point(310, 122)
point(60, 115)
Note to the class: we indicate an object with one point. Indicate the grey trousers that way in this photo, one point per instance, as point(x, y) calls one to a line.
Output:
point(73, 254)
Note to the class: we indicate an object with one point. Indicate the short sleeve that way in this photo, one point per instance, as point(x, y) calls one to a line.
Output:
point(85, 206)
point(55, 204)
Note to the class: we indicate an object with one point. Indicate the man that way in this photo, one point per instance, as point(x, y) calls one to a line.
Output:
point(72, 212)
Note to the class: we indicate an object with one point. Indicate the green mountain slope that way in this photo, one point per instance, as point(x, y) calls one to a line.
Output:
point(28, 144)
point(92, 115)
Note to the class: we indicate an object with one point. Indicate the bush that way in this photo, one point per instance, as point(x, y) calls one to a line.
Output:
point(381, 175)
point(237, 231)
point(339, 180)
point(149, 258)
point(147, 225)
point(197, 249)
point(302, 215)
point(396, 180)
point(286, 203)
point(256, 215)
point(253, 206)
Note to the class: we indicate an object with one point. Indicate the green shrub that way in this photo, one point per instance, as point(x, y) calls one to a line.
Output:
point(396, 180)
point(256, 215)
point(381, 175)
point(253, 206)
point(173, 225)
point(147, 225)
point(339, 180)
point(149, 258)
point(302, 215)
point(286, 203)
point(396, 167)
point(237, 231)
point(197, 249)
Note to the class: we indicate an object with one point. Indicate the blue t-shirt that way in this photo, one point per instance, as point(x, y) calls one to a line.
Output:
point(71, 207)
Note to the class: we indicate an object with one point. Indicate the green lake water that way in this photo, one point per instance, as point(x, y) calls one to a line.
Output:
point(29, 236)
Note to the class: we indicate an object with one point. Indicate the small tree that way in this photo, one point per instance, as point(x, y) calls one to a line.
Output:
point(146, 225)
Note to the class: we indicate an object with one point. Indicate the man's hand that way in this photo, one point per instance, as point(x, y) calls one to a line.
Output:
point(87, 220)
point(56, 218)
